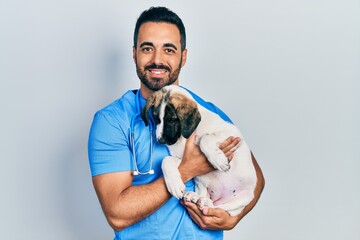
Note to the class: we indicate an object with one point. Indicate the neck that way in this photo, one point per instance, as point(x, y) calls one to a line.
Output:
point(146, 92)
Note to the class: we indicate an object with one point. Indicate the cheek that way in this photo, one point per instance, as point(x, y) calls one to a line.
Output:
point(142, 60)
point(174, 63)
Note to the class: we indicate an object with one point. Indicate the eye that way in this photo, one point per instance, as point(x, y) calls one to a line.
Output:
point(146, 49)
point(172, 118)
point(156, 117)
point(170, 50)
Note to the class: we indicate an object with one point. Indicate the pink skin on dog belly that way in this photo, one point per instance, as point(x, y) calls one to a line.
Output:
point(224, 189)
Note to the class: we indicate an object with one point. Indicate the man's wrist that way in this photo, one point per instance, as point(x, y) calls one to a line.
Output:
point(185, 173)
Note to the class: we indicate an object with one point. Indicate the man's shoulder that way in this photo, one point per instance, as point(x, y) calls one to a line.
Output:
point(198, 99)
point(125, 103)
point(120, 109)
point(208, 105)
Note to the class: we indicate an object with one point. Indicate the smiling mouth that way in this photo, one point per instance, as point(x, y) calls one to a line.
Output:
point(158, 71)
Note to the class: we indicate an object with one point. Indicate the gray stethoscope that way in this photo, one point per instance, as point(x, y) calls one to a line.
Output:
point(132, 138)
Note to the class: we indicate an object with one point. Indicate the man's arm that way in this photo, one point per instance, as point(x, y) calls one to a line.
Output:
point(124, 204)
point(216, 218)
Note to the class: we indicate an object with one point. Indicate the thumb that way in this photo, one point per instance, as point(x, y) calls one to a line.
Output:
point(216, 212)
point(191, 139)
point(210, 211)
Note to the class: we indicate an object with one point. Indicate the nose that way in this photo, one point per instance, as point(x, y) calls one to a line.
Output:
point(158, 57)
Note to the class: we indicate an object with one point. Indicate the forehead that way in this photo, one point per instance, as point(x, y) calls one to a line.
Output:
point(159, 33)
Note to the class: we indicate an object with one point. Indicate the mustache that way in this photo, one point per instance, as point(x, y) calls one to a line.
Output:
point(157, 67)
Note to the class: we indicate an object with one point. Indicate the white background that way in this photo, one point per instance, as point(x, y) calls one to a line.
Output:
point(286, 72)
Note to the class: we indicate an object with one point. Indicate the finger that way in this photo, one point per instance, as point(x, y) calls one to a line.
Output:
point(194, 212)
point(231, 146)
point(227, 142)
point(230, 156)
point(214, 212)
point(191, 139)
point(192, 206)
point(191, 146)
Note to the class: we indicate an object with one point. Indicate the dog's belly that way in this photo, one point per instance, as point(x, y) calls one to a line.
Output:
point(222, 187)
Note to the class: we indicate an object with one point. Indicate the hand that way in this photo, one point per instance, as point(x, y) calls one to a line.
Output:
point(229, 146)
point(194, 162)
point(210, 218)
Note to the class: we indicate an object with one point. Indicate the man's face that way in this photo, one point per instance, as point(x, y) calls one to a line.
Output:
point(158, 56)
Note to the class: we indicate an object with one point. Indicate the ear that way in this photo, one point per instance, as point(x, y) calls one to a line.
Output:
point(153, 101)
point(183, 57)
point(187, 112)
point(134, 54)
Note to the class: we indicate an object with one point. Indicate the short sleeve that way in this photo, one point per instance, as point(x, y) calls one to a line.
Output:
point(108, 148)
point(209, 106)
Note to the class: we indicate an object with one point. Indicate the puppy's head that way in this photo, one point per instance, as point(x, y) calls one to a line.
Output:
point(175, 114)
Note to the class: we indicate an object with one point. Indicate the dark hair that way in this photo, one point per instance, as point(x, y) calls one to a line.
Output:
point(160, 14)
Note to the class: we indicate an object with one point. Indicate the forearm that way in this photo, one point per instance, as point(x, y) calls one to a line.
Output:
point(260, 184)
point(133, 203)
point(138, 202)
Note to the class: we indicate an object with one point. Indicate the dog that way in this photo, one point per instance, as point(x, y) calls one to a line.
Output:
point(231, 185)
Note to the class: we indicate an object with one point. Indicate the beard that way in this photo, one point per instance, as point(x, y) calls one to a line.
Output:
point(155, 84)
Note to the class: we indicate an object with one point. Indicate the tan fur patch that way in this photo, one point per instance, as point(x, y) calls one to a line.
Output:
point(187, 112)
point(181, 103)
point(153, 100)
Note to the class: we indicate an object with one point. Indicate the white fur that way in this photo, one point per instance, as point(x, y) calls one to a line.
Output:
point(231, 186)
point(160, 126)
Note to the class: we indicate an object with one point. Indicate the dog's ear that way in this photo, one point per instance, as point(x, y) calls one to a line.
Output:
point(187, 112)
point(153, 101)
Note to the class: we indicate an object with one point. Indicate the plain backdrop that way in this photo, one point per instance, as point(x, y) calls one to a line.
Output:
point(286, 72)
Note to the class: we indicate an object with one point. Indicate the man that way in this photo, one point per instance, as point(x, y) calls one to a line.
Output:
point(125, 158)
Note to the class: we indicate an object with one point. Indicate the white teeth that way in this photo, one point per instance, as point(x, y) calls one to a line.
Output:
point(157, 72)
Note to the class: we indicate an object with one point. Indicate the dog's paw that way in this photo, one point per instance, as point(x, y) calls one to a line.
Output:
point(204, 202)
point(175, 186)
point(191, 197)
point(172, 177)
point(219, 160)
point(215, 156)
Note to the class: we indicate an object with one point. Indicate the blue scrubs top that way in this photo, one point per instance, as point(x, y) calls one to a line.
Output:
point(110, 150)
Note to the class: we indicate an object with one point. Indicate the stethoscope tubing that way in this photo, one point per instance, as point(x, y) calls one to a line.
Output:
point(132, 138)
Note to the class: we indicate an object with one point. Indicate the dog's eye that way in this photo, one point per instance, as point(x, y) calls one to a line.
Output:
point(156, 117)
point(172, 118)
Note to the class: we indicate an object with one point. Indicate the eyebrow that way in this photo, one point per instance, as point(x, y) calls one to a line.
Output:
point(146, 44)
point(170, 45)
point(152, 45)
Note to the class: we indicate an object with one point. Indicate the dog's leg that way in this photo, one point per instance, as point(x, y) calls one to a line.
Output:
point(172, 176)
point(200, 197)
point(209, 146)
point(194, 196)
point(204, 200)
